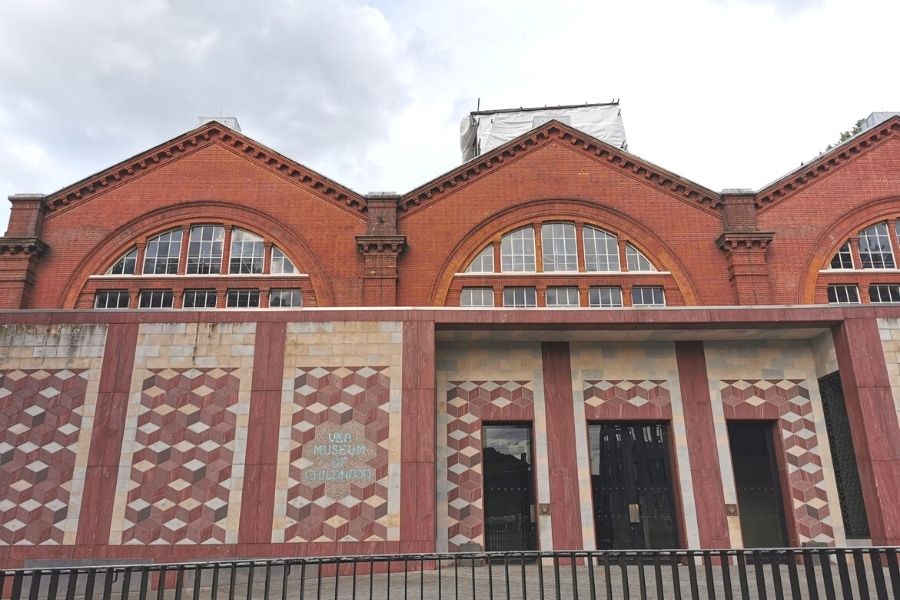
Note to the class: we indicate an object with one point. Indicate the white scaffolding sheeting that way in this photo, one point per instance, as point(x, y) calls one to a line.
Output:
point(483, 131)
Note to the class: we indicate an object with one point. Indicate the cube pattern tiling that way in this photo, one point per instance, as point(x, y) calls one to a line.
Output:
point(627, 399)
point(40, 424)
point(183, 454)
point(468, 403)
point(742, 399)
point(339, 400)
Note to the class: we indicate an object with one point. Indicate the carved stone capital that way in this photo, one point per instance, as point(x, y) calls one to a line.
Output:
point(744, 241)
point(380, 244)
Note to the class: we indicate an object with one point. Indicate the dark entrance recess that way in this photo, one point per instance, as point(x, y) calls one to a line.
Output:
point(760, 502)
point(843, 455)
point(632, 486)
point(509, 511)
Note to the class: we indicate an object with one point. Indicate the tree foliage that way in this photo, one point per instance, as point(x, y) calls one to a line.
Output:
point(846, 135)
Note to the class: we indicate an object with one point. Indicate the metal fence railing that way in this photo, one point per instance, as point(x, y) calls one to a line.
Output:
point(827, 573)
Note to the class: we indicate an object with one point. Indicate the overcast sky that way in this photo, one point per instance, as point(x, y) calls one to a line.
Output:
point(728, 93)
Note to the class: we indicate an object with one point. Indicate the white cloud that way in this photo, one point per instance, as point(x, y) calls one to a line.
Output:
point(730, 93)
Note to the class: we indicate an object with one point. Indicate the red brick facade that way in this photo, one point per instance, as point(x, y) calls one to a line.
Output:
point(712, 249)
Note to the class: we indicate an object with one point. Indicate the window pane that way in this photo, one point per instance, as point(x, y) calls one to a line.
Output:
point(843, 294)
point(242, 299)
point(636, 260)
point(477, 297)
point(558, 247)
point(285, 298)
point(875, 247)
point(162, 254)
point(247, 253)
point(199, 299)
point(519, 297)
point(125, 265)
point(884, 293)
point(484, 262)
point(156, 299)
point(205, 250)
point(563, 296)
point(601, 250)
point(605, 297)
point(281, 264)
point(843, 259)
point(517, 251)
point(647, 296)
point(111, 299)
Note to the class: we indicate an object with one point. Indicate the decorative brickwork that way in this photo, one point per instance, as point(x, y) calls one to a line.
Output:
point(181, 470)
point(328, 405)
point(40, 423)
point(468, 402)
point(789, 399)
point(629, 398)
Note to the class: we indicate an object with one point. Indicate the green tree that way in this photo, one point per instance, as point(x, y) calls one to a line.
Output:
point(846, 135)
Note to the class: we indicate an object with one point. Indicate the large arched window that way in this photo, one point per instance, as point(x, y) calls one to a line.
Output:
point(562, 264)
point(864, 268)
point(200, 265)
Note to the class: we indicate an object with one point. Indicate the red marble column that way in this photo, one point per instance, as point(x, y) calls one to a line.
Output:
point(873, 424)
point(563, 464)
point(106, 437)
point(706, 475)
point(418, 526)
point(260, 463)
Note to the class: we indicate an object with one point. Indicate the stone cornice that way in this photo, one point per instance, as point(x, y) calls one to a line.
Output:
point(203, 136)
point(808, 173)
point(29, 246)
point(732, 241)
point(619, 159)
point(377, 244)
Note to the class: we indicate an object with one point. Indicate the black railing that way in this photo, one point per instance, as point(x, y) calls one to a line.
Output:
point(826, 573)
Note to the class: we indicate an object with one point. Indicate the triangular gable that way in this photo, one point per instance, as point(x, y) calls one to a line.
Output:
point(805, 175)
point(204, 136)
point(617, 159)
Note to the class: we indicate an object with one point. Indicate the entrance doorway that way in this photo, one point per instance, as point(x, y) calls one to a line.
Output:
point(632, 485)
point(760, 503)
point(509, 512)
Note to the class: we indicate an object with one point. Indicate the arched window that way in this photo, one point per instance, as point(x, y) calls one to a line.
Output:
point(558, 247)
point(205, 249)
point(636, 260)
point(163, 253)
point(843, 258)
point(281, 264)
point(517, 251)
point(875, 247)
point(601, 250)
point(125, 265)
point(484, 262)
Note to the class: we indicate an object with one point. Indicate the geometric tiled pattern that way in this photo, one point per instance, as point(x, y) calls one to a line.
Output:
point(343, 397)
point(40, 421)
point(468, 403)
point(789, 402)
point(184, 446)
point(627, 398)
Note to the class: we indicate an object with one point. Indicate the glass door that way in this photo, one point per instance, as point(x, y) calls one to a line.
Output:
point(509, 512)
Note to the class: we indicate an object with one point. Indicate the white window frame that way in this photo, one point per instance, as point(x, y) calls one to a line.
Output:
point(242, 298)
point(157, 299)
point(247, 249)
point(476, 297)
point(128, 262)
point(844, 252)
point(280, 293)
point(849, 291)
point(643, 290)
point(197, 292)
point(107, 294)
point(517, 250)
point(559, 247)
point(484, 262)
point(614, 294)
point(891, 289)
point(519, 297)
point(280, 263)
point(172, 240)
point(597, 250)
point(879, 236)
point(205, 260)
point(633, 255)
point(554, 294)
